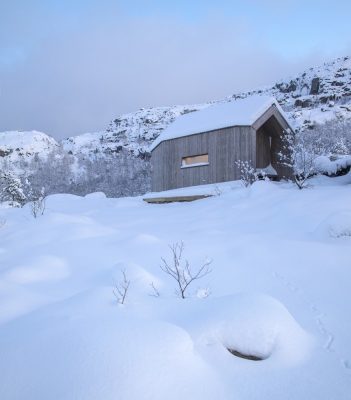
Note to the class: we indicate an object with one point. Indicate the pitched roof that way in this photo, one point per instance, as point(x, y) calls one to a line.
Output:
point(238, 112)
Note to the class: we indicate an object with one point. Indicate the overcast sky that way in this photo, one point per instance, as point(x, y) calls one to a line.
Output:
point(70, 66)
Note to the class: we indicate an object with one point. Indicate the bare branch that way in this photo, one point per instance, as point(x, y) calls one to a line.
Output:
point(2, 222)
point(38, 205)
point(120, 289)
point(181, 271)
point(155, 291)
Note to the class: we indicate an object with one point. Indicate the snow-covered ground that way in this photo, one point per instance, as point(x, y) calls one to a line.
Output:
point(279, 289)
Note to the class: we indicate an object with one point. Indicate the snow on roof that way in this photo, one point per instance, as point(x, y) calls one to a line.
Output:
point(222, 115)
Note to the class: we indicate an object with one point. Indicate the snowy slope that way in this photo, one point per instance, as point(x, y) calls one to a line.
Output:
point(18, 149)
point(17, 145)
point(279, 289)
point(300, 99)
point(134, 131)
point(308, 102)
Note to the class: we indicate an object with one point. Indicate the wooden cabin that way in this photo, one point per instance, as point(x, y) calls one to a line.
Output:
point(202, 147)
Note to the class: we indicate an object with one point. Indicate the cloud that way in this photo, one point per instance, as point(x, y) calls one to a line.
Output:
point(77, 76)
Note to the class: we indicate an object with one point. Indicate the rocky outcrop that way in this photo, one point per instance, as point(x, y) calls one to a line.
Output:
point(314, 86)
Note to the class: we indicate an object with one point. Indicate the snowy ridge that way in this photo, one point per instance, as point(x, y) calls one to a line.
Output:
point(17, 144)
point(134, 132)
point(305, 100)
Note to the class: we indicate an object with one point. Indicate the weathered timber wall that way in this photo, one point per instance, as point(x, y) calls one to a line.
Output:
point(223, 146)
point(259, 144)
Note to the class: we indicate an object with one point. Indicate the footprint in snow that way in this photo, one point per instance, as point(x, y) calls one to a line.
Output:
point(347, 365)
point(318, 315)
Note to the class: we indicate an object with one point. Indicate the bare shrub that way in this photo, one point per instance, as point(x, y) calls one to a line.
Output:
point(121, 288)
point(299, 155)
point(330, 138)
point(248, 173)
point(37, 205)
point(181, 271)
point(301, 150)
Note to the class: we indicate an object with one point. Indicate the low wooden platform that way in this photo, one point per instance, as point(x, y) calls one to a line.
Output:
point(175, 199)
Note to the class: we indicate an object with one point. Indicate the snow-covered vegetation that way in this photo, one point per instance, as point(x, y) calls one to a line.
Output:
point(270, 321)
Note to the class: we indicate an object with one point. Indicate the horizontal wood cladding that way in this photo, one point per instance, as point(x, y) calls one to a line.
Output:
point(223, 146)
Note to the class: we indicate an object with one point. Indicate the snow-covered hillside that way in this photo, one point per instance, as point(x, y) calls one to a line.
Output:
point(134, 131)
point(279, 290)
point(16, 146)
point(314, 96)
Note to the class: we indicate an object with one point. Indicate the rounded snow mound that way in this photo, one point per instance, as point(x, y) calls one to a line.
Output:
point(95, 196)
point(255, 327)
point(77, 355)
point(337, 225)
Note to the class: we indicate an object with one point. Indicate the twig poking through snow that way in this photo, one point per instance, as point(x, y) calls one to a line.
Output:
point(121, 288)
point(2, 222)
point(181, 272)
point(155, 291)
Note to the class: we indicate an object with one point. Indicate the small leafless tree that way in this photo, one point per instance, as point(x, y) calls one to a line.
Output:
point(248, 173)
point(37, 205)
point(181, 271)
point(121, 288)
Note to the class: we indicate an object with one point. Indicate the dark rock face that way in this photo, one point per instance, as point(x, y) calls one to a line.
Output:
point(315, 86)
point(144, 155)
point(287, 87)
point(303, 103)
point(337, 83)
point(4, 153)
point(325, 99)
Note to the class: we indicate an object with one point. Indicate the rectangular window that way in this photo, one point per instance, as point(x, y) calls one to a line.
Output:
point(195, 161)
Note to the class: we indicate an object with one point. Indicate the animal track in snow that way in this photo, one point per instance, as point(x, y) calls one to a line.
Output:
point(346, 364)
point(318, 317)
